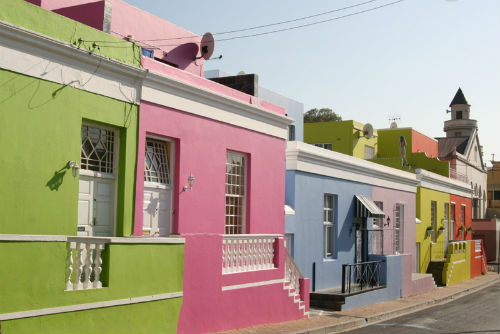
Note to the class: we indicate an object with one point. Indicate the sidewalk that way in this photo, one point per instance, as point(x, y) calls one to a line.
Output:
point(332, 322)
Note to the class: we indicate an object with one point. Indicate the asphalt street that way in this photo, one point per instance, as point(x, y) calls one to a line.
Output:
point(475, 313)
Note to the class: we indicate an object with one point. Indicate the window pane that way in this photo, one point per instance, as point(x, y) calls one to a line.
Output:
point(235, 192)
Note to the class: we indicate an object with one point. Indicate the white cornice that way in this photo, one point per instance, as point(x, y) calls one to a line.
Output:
point(316, 160)
point(444, 184)
point(170, 92)
point(36, 55)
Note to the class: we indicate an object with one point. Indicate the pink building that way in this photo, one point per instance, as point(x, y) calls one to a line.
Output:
point(211, 169)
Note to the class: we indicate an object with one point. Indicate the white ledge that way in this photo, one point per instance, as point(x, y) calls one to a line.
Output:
point(311, 159)
point(88, 306)
point(111, 240)
point(441, 183)
point(174, 93)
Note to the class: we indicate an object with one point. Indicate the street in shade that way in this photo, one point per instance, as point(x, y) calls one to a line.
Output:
point(475, 313)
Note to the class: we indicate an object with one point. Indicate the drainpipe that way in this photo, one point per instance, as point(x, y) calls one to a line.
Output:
point(314, 277)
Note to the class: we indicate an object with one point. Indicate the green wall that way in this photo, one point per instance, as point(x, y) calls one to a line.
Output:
point(342, 135)
point(424, 198)
point(151, 317)
point(34, 18)
point(389, 155)
point(33, 276)
point(40, 131)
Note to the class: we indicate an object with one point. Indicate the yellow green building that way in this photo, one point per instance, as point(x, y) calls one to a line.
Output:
point(348, 137)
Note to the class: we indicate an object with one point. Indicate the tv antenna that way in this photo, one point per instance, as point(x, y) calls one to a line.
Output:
point(393, 121)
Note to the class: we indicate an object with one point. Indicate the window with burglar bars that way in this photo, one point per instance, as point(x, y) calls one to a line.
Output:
point(328, 226)
point(97, 149)
point(398, 227)
point(156, 162)
point(433, 219)
point(462, 220)
point(235, 192)
point(377, 239)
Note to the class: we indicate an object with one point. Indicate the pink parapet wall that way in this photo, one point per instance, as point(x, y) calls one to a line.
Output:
point(201, 147)
point(213, 301)
point(209, 85)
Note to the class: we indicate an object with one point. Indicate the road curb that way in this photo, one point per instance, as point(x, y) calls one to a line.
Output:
point(361, 322)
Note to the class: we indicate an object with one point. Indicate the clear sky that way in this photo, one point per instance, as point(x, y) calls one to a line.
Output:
point(406, 59)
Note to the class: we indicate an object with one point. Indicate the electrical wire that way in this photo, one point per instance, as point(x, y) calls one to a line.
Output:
point(301, 26)
point(270, 24)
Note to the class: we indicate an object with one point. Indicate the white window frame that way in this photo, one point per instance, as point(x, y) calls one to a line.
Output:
point(433, 219)
point(399, 211)
point(452, 220)
point(329, 226)
point(243, 197)
point(371, 150)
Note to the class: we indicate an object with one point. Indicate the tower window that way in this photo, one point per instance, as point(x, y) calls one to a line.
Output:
point(458, 114)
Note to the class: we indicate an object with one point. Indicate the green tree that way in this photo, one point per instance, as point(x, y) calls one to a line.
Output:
point(321, 115)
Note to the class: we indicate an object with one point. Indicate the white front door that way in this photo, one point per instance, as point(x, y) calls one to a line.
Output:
point(95, 206)
point(157, 208)
point(96, 194)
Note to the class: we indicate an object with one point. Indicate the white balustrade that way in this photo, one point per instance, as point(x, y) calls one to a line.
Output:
point(292, 274)
point(87, 269)
point(247, 252)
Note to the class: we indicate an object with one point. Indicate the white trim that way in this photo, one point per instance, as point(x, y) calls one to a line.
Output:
point(478, 256)
point(311, 159)
point(289, 210)
point(170, 92)
point(32, 237)
point(70, 238)
point(66, 64)
point(444, 184)
point(251, 285)
point(459, 261)
point(88, 306)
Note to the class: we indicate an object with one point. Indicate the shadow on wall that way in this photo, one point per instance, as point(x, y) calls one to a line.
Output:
point(57, 179)
point(348, 231)
point(183, 55)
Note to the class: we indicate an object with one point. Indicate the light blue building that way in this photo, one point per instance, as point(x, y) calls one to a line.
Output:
point(336, 230)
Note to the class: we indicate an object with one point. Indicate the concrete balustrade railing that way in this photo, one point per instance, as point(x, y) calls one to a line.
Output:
point(247, 252)
point(85, 261)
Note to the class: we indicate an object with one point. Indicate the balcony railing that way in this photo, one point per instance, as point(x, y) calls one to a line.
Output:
point(247, 252)
point(361, 276)
point(85, 263)
point(292, 273)
point(458, 176)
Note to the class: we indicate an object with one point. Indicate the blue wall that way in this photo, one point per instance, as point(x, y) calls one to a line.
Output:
point(305, 193)
point(391, 277)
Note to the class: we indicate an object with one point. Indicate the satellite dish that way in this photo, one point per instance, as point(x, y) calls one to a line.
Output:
point(207, 45)
point(368, 131)
point(241, 73)
point(394, 125)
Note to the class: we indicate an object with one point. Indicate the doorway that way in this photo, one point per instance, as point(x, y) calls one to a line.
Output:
point(158, 187)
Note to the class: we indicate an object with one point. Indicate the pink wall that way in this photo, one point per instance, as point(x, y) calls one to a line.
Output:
point(422, 143)
point(389, 198)
point(206, 308)
point(201, 150)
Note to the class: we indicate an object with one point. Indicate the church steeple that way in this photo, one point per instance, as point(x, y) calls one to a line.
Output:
point(459, 98)
point(460, 124)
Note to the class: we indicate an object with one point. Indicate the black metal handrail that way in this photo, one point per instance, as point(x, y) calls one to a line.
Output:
point(361, 276)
